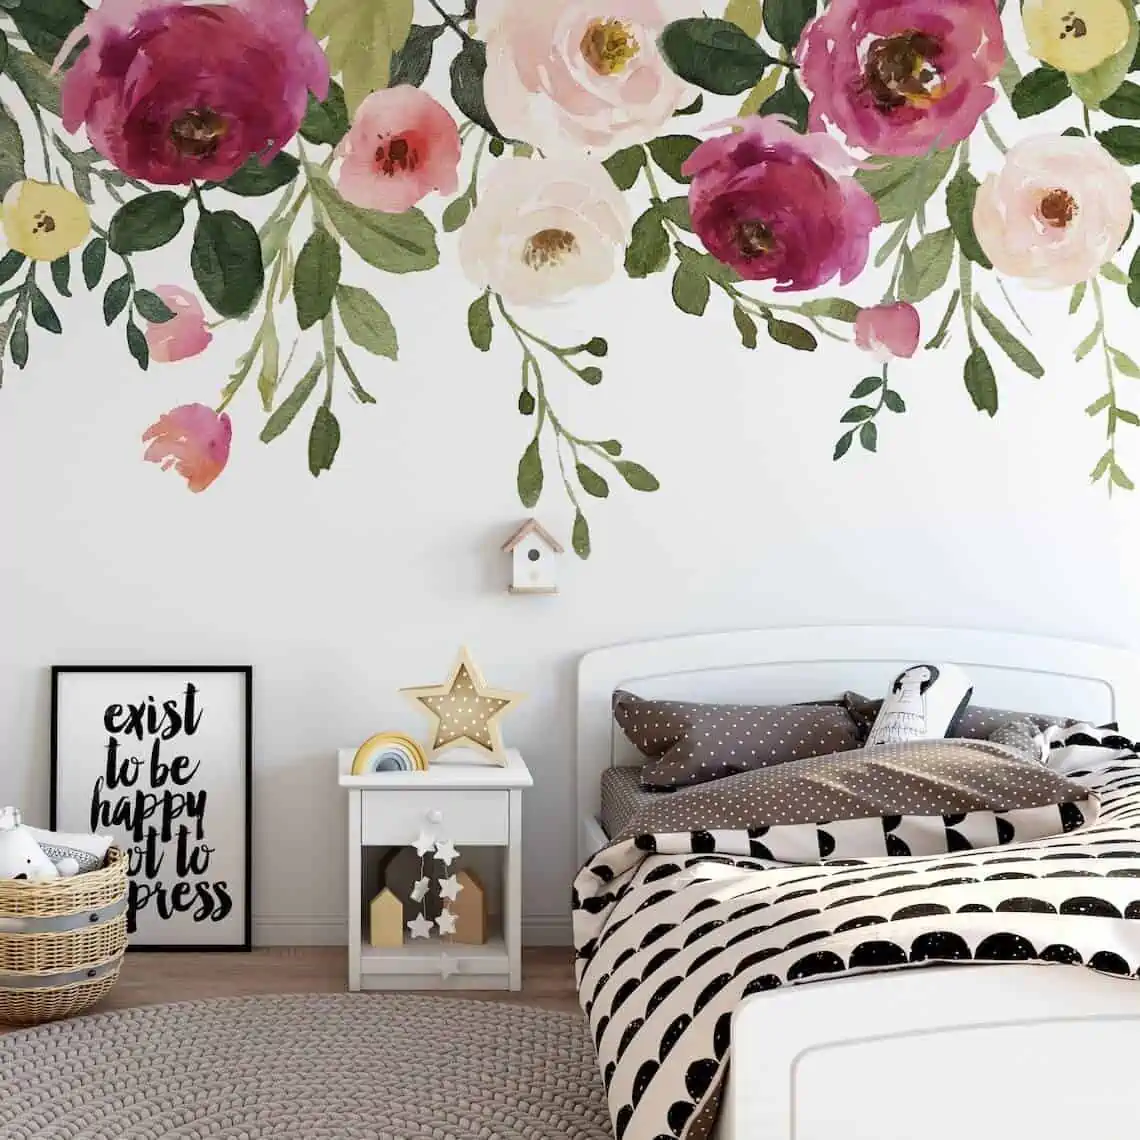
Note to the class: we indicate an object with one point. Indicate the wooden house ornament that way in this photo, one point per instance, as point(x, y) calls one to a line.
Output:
point(386, 920)
point(470, 910)
point(534, 555)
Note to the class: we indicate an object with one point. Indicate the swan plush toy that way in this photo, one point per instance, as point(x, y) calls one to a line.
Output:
point(21, 857)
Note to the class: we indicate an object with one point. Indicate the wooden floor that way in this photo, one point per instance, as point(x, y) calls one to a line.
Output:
point(149, 979)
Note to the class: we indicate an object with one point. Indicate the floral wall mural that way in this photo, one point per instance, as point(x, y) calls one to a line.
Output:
point(886, 173)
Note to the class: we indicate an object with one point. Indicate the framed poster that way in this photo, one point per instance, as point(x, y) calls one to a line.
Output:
point(160, 757)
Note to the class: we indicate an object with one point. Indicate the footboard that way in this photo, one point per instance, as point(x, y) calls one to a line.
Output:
point(1048, 1052)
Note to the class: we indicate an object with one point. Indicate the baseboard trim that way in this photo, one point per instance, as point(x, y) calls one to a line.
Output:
point(332, 930)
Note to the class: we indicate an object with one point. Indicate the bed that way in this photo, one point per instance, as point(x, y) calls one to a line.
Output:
point(993, 1050)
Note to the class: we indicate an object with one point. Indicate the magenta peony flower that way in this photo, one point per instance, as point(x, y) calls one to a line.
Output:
point(172, 91)
point(888, 330)
point(402, 146)
point(185, 334)
point(777, 205)
point(902, 76)
point(194, 440)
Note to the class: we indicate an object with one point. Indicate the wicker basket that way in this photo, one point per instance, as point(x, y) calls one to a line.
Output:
point(61, 942)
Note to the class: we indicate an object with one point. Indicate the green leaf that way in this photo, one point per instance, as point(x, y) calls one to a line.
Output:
point(394, 243)
point(1125, 364)
point(1101, 469)
point(1123, 143)
point(961, 193)
point(596, 346)
point(1007, 342)
point(1136, 196)
point(670, 152)
point(94, 259)
point(467, 71)
point(366, 322)
point(530, 475)
point(761, 93)
point(1127, 417)
point(747, 15)
point(457, 212)
point(1113, 273)
point(580, 536)
point(42, 312)
point(1094, 86)
point(34, 78)
point(900, 185)
point(287, 410)
point(636, 476)
point(1098, 405)
point(937, 340)
point(716, 55)
point(677, 211)
point(624, 166)
point(690, 291)
point(693, 108)
point(115, 298)
point(1134, 279)
point(894, 402)
point(785, 20)
point(980, 382)
point(147, 223)
point(18, 345)
point(10, 264)
point(226, 262)
point(1009, 76)
point(1124, 102)
point(3, 51)
point(789, 101)
point(745, 325)
point(361, 39)
point(358, 389)
point(858, 414)
point(706, 264)
point(866, 386)
point(255, 178)
point(480, 325)
point(526, 403)
point(324, 440)
point(11, 151)
point(592, 482)
point(869, 437)
point(269, 375)
point(1040, 90)
point(838, 308)
point(45, 24)
point(1116, 474)
point(61, 275)
point(316, 277)
point(326, 123)
point(137, 345)
point(648, 249)
point(1086, 346)
point(152, 307)
point(591, 375)
point(412, 62)
point(784, 332)
point(928, 267)
point(842, 445)
point(1078, 295)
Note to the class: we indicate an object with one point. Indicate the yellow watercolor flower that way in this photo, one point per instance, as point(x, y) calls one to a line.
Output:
point(1075, 35)
point(43, 221)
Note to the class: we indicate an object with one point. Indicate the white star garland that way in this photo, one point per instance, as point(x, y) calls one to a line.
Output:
point(428, 846)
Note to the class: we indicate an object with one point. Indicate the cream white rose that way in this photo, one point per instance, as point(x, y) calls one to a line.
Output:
point(543, 228)
point(1056, 211)
point(580, 76)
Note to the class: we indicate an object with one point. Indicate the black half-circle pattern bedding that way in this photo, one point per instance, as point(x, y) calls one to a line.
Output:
point(673, 930)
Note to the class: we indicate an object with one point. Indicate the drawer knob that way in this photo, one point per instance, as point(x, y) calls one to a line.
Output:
point(435, 816)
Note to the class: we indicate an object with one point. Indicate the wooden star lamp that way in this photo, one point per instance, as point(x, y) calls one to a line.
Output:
point(466, 712)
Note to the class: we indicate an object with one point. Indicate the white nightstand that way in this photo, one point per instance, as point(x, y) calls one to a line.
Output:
point(472, 805)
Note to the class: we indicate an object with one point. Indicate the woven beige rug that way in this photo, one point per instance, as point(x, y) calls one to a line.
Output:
point(320, 1067)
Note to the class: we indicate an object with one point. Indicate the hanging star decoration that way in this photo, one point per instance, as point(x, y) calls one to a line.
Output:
point(466, 712)
point(420, 926)
point(445, 852)
point(446, 922)
point(449, 888)
point(420, 890)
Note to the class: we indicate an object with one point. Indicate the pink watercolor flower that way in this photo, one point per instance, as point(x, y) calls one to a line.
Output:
point(194, 440)
point(902, 76)
point(888, 331)
point(171, 90)
point(778, 205)
point(402, 146)
point(185, 334)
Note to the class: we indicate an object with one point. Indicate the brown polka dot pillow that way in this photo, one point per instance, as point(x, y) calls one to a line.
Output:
point(691, 743)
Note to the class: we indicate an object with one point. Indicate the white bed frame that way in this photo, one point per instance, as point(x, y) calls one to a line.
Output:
point(985, 1052)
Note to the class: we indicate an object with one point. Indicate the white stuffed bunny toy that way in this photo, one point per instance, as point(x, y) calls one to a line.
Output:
point(21, 857)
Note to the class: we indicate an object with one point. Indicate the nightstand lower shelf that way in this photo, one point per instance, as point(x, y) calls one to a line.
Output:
point(419, 965)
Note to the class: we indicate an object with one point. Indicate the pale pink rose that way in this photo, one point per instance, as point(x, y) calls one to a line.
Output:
point(194, 440)
point(580, 76)
point(185, 334)
point(1056, 211)
point(402, 146)
point(888, 330)
point(544, 228)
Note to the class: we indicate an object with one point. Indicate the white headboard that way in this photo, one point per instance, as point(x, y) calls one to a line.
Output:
point(777, 666)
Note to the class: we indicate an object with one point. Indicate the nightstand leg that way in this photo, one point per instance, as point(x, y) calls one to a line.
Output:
point(355, 854)
point(512, 893)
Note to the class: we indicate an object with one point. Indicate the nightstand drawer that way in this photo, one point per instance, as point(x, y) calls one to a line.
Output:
point(396, 818)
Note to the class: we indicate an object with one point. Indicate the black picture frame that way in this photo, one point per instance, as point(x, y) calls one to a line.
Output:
point(245, 672)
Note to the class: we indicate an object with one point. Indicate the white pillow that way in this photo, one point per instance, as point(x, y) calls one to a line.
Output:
point(925, 702)
point(89, 851)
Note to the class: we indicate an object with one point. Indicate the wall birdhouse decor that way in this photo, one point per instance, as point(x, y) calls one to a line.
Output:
point(535, 553)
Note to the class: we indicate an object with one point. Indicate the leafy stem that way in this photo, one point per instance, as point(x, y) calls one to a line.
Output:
point(863, 416)
point(1114, 361)
point(450, 21)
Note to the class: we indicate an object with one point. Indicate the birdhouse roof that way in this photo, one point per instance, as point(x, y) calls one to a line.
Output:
point(533, 526)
